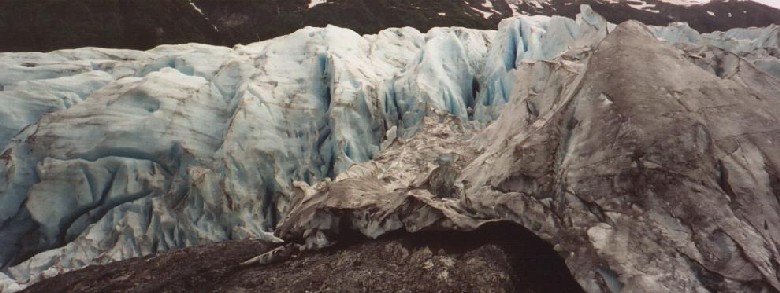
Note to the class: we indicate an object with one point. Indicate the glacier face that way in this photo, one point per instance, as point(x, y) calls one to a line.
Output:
point(528, 39)
point(188, 144)
point(110, 154)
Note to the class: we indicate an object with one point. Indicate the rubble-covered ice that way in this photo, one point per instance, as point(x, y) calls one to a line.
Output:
point(662, 186)
point(110, 154)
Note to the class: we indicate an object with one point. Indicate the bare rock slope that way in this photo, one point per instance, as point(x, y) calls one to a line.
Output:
point(46, 25)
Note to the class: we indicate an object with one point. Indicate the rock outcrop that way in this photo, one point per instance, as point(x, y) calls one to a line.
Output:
point(143, 24)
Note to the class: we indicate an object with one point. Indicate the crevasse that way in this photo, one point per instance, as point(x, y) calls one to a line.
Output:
point(109, 154)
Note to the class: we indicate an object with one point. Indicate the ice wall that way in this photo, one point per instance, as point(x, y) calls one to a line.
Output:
point(113, 154)
point(528, 39)
point(110, 154)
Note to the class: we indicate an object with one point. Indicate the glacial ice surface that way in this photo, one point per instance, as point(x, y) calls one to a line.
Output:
point(110, 154)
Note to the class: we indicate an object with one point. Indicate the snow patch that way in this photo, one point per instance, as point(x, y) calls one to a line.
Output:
point(485, 14)
point(641, 5)
point(317, 2)
point(202, 14)
point(515, 10)
point(196, 8)
point(686, 2)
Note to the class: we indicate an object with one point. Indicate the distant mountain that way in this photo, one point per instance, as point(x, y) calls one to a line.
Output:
point(45, 25)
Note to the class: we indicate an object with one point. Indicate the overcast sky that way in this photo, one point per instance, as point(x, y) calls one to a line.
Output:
point(773, 3)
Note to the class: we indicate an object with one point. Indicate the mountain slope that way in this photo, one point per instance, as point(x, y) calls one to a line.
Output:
point(142, 24)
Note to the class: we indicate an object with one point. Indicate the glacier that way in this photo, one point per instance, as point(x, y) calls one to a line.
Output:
point(109, 154)
point(646, 172)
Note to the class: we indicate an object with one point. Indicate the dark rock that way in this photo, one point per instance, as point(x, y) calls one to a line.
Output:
point(496, 258)
point(442, 180)
point(45, 25)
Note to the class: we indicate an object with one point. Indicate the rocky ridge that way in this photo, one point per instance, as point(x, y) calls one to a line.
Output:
point(47, 25)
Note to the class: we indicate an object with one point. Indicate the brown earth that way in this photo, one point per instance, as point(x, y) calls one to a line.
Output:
point(496, 258)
